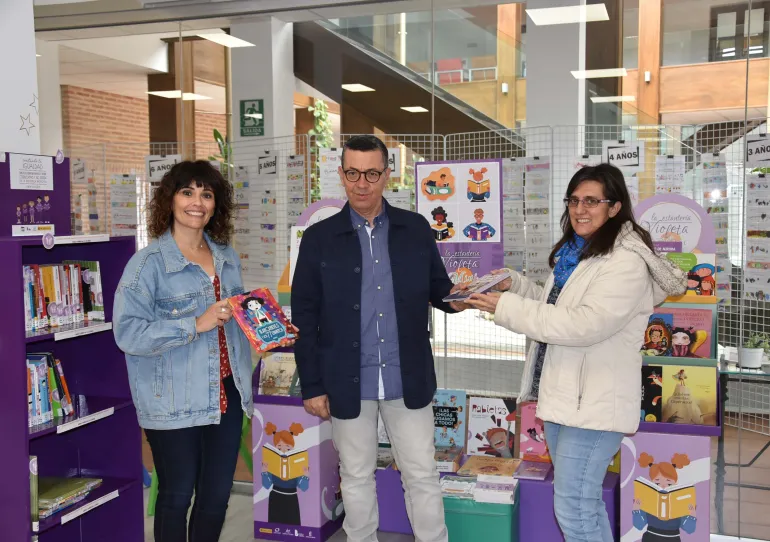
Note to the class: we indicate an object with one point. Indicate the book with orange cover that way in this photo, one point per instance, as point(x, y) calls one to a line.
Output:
point(262, 320)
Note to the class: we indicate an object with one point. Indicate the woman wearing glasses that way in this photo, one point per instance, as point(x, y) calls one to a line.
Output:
point(586, 326)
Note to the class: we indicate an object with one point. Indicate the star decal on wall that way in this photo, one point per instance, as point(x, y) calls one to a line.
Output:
point(26, 124)
point(34, 104)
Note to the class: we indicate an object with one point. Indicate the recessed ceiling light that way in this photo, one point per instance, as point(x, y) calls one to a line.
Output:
point(166, 93)
point(415, 109)
point(357, 87)
point(568, 14)
point(598, 74)
point(254, 115)
point(226, 39)
point(37, 54)
point(608, 99)
point(188, 96)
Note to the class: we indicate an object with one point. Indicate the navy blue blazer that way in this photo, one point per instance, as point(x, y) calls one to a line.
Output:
point(325, 306)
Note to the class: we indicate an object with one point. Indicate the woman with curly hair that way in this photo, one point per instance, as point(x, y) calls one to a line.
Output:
point(189, 364)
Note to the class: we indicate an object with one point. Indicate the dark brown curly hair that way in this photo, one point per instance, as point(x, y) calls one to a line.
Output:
point(183, 175)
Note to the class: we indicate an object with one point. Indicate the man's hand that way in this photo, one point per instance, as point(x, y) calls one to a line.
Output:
point(503, 286)
point(459, 306)
point(318, 406)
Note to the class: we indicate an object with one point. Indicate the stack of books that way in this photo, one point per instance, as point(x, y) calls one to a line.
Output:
point(501, 492)
point(57, 493)
point(533, 470)
point(458, 487)
point(48, 396)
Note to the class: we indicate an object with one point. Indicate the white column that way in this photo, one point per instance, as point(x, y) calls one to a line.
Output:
point(554, 96)
point(19, 130)
point(264, 72)
point(49, 96)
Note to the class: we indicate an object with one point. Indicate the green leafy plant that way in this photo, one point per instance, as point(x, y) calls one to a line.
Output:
point(758, 340)
point(225, 156)
point(323, 138)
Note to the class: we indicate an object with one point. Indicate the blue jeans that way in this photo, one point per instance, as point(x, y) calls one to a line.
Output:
point(196, 459)
point(580, 461)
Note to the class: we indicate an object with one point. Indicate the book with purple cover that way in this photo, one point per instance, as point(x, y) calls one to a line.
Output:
point(533, 470)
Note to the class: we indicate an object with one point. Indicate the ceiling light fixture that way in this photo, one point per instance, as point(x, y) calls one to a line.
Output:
point(37, 55)
point(226, 39)
point(188, 96)
point(599, 74)
point(415, 109)
point(357, 87)
point(568, 14)
point(610, 99)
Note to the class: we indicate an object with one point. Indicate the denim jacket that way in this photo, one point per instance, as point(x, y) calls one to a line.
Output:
point(174, 372)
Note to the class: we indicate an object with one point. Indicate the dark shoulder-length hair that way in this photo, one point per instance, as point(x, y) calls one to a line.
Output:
point(614, 188)
point(184, 175)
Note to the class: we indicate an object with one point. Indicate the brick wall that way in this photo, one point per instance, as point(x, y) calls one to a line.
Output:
point(205, 123)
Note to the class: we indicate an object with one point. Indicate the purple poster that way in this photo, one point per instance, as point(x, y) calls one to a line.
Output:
point(34, 195)
point(462, 202)
point(297, 493)
point(665, 484)
point(671, 218)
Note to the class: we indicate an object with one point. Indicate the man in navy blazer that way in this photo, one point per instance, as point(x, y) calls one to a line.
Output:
point(361, 291)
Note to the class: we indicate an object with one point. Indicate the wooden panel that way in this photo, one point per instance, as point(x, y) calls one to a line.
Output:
point(509, 17)
point(481, 95)
point(521, 99)
point(161, 111)
point(488, 61)
point(306, 101)
point(355, 122)
point(185, 111)
point(648, 94)
point(716, 85)
point(604, 48)
point(209, 62)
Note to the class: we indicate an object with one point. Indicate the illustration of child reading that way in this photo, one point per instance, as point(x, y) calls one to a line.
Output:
point(285, 470)
point(442, 230)
point(660, 504)
point(479, 230)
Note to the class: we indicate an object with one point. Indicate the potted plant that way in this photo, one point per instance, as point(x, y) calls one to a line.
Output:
point(753, 350)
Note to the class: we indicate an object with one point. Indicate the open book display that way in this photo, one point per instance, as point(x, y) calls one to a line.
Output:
point(285, 465)
point(480, 285)
point(261, 319)
point(670, 503)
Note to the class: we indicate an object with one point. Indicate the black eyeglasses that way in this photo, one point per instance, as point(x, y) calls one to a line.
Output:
point(587, 202)
point(371, 175)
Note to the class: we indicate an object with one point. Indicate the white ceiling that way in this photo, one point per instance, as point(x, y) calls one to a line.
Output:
point(704, 117)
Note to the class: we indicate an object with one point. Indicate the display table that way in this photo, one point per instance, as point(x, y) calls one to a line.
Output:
point(536, 516)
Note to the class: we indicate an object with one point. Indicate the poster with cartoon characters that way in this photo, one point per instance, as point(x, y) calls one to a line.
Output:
point(665, 485)
point(462, 202)
point(34, 195)
point(297, 492)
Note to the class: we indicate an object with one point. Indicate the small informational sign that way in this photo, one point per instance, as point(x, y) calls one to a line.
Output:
point(31, 172)
point(252, 118)
point(625, 155)
point(158, 165)
point(758, 151)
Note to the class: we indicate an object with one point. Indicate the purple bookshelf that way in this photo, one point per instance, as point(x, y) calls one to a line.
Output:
point(102, 439)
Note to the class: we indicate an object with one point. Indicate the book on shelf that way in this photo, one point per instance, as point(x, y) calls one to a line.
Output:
point(664, 503)
point(679, 394)
point(384, 458)
point(533, 470)
point(701, 272)
point(33, 491)
point(285, 465)
point(262, 320)
point(490, 469)
point(449, 418)
point(48, 396)
point(448, 458)
point(56, 493)
point(491, 426)
point(61, 294)
point(495, 492)
point(457, 487)
point(277, 373)
point(679, 332)
point(531, 434)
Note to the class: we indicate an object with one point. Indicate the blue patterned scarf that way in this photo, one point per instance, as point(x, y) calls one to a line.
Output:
point(568, 259)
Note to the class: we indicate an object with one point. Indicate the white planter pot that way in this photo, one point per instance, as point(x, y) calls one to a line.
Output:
point(751, 358)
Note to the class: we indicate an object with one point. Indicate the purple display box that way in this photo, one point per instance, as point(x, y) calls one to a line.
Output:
point(536, 516)
point(318, 500)
point(56, 210)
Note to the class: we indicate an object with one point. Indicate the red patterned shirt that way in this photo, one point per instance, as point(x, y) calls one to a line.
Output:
point(224, 359)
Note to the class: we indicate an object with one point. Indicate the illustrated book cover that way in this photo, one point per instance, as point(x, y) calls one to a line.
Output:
point(277, 372)
point(491, 427)
point(489, 468)
point(691, 331)
point(262, 320)
point(450, 418)
point(532, 445)
point(479, 285)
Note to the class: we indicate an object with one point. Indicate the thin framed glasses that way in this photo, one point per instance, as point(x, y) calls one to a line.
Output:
point(371, 175)
point(588, 202)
